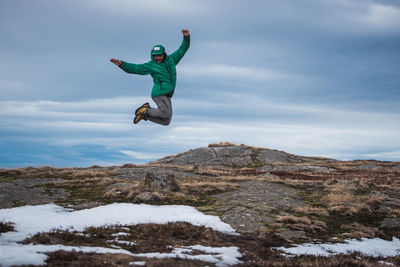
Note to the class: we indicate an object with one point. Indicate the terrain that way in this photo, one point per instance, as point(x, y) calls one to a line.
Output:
point(271, 198)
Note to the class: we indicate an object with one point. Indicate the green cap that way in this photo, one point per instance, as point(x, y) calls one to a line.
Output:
point(157, 50)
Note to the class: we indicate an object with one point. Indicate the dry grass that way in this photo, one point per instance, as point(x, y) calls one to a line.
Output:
point(162, 238)
point(126, 190)
point(358, 231)
point(395, 213)
point(188, 189)
point(290, 219)
point(208, 187)
point(72, 259)
point(302, 224)
point(346, 203)
point(306, 210)
point(64, 173)
point(222, 144)
point(343, 198)
point(6, 227)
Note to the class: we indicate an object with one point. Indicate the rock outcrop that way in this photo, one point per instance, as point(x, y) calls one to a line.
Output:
point(230, 155)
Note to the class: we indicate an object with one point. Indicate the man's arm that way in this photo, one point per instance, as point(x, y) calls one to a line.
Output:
point(178, 54)
point(142, 69)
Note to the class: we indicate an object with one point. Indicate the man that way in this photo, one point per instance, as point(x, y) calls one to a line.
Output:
point(162, 68)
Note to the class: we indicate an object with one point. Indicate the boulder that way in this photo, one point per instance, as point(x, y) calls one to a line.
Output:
point(160, 182)
point(391, 223)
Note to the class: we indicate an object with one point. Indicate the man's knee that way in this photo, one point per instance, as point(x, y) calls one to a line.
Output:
point(166, 122)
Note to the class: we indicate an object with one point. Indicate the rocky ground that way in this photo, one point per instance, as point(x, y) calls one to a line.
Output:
point(271, 197)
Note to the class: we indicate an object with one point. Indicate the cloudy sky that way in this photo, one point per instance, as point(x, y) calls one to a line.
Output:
point(310, 77)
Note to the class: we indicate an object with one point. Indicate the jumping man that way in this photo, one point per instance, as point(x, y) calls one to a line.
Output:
point(162, 68)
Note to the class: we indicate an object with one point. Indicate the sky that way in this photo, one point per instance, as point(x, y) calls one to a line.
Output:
point(309, 77)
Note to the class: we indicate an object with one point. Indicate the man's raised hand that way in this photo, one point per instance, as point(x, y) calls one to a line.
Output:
point(185, 32)
point(116, 61)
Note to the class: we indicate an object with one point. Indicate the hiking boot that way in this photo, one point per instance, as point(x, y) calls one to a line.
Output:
point(139, 117)
point(140, 113)
point(142, 108)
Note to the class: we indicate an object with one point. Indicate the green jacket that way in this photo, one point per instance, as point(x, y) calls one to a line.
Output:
point(164, 74)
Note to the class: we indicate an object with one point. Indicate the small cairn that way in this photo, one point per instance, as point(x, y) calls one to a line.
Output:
point(155, 183)
point(160, 182)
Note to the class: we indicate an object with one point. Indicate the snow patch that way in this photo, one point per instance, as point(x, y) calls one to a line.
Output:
point(19, 254)
point(120, 234)
point(375, 247)
point(220, 256)
point(30, 220)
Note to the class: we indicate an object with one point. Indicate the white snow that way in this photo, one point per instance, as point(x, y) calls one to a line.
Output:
point(30, 220)
point(129, 243)
point(375, 247)
point(19, 254)
point(120, 234)
point(221, 256)
point(140, 263)
point(386, 263)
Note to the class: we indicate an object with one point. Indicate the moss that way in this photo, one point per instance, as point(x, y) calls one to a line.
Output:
point(78, 192)
point(6, 179)
point(212, 209)
point(19, 203)
point(312, 198)
point(196, 201)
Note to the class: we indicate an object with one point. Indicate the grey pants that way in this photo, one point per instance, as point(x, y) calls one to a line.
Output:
point(163, 113)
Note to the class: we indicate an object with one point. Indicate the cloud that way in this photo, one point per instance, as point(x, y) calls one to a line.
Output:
point(299, 129)
point(150, 8)
point(232, 72)
point(380, 17)
point(93, 109)
point(141, 155)
point(391, 154)
point(295, 138)
point(365, 17)
point(105, 116)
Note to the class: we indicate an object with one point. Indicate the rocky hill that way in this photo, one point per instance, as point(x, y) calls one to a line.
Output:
point(228, 155)
point(272, 198)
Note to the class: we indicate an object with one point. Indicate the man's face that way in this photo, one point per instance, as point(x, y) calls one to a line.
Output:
point(158, 58)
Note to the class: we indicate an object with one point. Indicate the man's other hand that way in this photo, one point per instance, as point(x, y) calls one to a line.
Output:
point(116, 61)
point(185, 32)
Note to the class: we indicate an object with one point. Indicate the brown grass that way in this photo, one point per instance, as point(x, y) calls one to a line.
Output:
point(303, 224)
point(395, 213)
point(65, 173)
point(251, 258)
point(343, 198)
point(64, 258)
point(356, 230)
point(6, 227)
point(306, 210)
point(160, 238)
point(144, 237)
point(222, 144)
point(208, 187)
point(126, 191)
point(346, 202)
point(290, 219)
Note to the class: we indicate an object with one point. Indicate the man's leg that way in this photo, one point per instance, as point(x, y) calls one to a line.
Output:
point(163, 113)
